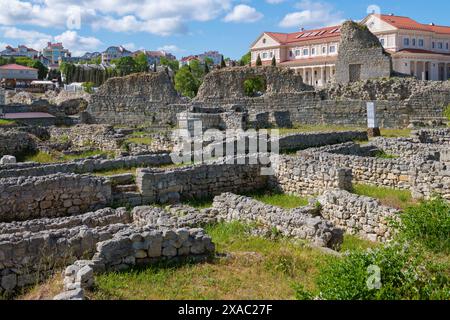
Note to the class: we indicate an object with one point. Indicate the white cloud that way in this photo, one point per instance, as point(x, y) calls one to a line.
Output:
point(275, 1)
point(33, 39)
point(243, 13)
point(78, 44)
point(171, 48)
point(152, 16)
point(312, 15)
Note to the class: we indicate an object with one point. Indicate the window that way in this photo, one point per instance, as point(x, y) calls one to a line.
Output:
point(421, 43)
point(414, 42)
point(332, 49)
point(297, 53)
point(382, 41)
point(446, 45)
point(313, 51)
point(271, 54)
point(440, 45)
point(324, 50)
point(290, 53)
point(406, 41)
point(305, 52)
point(264, 40)
point(264, 55)
point(433, 45)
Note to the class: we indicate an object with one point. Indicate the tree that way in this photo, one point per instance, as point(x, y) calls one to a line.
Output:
point(141, 62)
point(172, 64)
point(88, 87)
point(3, 61)
point(258, 61)
point(197, 70)
point(246, 59)
point(186, 83)
point(274, 62)
point(42, 70)
point(11, 60)
point(126, 66)
point(222, 63)
point(206, 68)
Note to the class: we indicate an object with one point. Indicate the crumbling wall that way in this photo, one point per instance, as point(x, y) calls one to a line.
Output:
point(14, 142)
point(56, 195)
point(135, 99)
point(361, 55)
point(229, 82)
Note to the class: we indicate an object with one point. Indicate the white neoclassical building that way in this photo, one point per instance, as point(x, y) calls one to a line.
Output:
point(417, 49)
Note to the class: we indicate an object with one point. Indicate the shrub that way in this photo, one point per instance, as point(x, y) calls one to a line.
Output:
point(427, 224)
point(88, 87)
point(404, 274)
point(447, 112)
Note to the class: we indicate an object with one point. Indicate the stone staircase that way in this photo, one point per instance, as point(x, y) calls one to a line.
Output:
point(124, 190)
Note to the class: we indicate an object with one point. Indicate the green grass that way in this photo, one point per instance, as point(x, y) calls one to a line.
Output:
point(305, 128)
point(282, 200)
point(399, 199)
point(140, 140)
point(395, 133)
point(352, 242)
point(384, 155)
point(256, 268)
point(44, 157)
point(199, 203)
point(6, 122)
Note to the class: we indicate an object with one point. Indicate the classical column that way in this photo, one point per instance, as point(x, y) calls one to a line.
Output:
point(304, 75)
point(323, 76)
point(313, 77)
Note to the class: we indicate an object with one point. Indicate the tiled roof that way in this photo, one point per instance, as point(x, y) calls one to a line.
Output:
point(422, 51)
point(406, 23)
point(306, 35)
point(16, 67)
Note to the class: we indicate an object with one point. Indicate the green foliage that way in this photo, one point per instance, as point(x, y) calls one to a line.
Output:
point(281, 200)
point(258, 61)
point(88, 87)
point(254, 85)
point(186, 83)
point(383, 155)
point(246, 59)
point(447, 112)
point(172, 64)
point(141, 63)
point(6, 122)
point(3, 61)
point(274, 62)
point(427, 224)
point(125, 65)
point(395, 198)
point(405, 274)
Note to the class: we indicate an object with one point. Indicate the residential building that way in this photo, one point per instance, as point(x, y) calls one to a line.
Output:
point(215, 56)
point(421, 50)
point(14, 75)
point(20, 51)
point(185, 61)
point(115, 53)
point(54, 52)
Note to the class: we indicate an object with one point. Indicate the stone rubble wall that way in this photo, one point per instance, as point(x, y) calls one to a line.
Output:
point(2, 97)
point(409, 148)
point(358, 215)
point(302, 223)
point(135, 247)
point(438, 136)
point(100, 136)
point(14, 142)
point(431, 178)
point(83, 166)
point(302, 176)
point(50, 196)
point(308, 140)
point(200, 181)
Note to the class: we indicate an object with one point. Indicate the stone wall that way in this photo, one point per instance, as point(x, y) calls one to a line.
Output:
point(56, 195)
point(13, 142)
point(303, 223)
point(361, 55)
point(200, 181)
point(302, 176)
point(308, 140)
point(102, 137)
point(83, 166)
point(438, 136)
point(136, 99)
point(2, 97)
point(359, 215)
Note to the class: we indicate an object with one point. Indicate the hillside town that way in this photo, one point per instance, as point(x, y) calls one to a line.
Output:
point(315, 167)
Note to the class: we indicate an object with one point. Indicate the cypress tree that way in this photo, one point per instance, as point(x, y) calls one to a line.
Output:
point(274, 62)
point(258, 61)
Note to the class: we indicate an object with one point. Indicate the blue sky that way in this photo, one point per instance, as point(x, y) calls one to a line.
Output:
point(185, 26)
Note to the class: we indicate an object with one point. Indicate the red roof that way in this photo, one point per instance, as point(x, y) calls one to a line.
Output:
point(410, 24)
point(422, 51)
point(16, 67)
point(306, 35)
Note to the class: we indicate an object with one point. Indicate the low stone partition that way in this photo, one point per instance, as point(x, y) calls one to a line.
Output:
point(14, 142)
point(317, 139)
point(431, 178)
point(303, 223)
point(359, 215)
point(201, 181)
point(303, 176)
point(131, 247)
point(83, 166)
point(439, 136)
point(408, 147)
point(56, 195)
